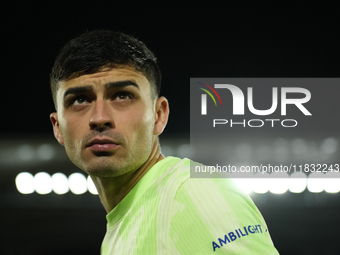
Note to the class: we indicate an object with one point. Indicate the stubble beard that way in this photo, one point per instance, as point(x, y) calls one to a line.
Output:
point(113, 166)
point(125, 160)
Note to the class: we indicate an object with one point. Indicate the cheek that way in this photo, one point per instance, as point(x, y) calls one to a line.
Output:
point(139, 122)
point(71, 129)
point(148, 118)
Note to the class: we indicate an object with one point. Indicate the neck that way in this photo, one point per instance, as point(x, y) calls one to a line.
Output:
point(112, 190)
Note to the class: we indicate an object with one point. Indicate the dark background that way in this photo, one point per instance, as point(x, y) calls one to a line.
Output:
point(189, 41)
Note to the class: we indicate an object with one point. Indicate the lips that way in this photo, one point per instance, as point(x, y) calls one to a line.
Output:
point(99, 141)
point(98, 144)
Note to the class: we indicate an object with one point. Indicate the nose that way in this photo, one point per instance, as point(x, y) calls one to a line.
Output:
point(101, 117)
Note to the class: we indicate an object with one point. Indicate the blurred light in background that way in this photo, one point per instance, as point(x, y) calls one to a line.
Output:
point(315, 182)
point(246, 183)
point(43, 183)
point(77, 183)
point(264, 153)
point(184, 150)
point(244, 151)
point(25, 183)
point(299, 148)
point(297, 182)
point(279, 183)
point(167, 150)
point(25, 152)
point(332, 182)
point(261, 183)
point(45, 152)
point(276, 183)
point(60, 183)
point(90, 186)
point(329, 145)
point(281, 151)
point(278, 151)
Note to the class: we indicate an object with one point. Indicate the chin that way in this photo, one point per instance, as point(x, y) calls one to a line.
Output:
point(105, 168)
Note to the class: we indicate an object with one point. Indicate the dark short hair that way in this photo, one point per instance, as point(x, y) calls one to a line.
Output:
point(95, 50)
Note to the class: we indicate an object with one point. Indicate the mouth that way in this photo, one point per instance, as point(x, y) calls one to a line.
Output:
point(103, 145)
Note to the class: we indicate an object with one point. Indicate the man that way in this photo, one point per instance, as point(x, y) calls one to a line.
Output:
point(105, 87)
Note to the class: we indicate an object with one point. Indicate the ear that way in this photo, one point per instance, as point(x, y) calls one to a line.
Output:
point(161, 115)
point(56, 129)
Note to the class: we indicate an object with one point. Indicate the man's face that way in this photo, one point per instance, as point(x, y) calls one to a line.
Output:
point(106, 121)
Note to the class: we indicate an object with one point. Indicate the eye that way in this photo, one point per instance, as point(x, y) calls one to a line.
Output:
point(79, 100)
point(122, 96)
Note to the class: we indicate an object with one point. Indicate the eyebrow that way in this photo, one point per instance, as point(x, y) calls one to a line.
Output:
point(120, 84)
point(116, 84)
point(77, 90)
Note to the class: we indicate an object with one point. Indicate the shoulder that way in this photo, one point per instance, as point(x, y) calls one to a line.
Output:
point(208, 213)
point(196, 184)
point(194, 194)
point(203, 185)
point(218, 193)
